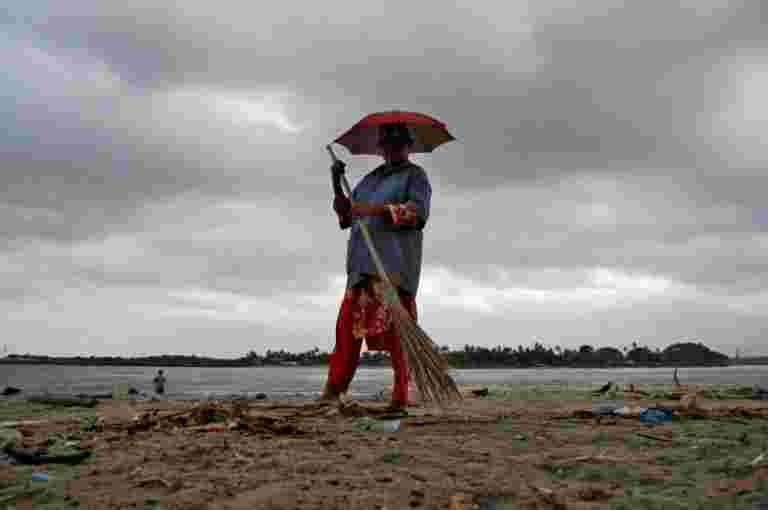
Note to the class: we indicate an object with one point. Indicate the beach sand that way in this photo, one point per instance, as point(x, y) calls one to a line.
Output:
point(535, 448)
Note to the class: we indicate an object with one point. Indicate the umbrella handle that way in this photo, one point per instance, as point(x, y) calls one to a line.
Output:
point(344, 182)
point(390, 294)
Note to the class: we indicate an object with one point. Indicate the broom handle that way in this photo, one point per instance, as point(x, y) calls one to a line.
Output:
point(367, 237)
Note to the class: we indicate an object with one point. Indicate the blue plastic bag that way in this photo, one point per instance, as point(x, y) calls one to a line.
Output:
point(656, 415)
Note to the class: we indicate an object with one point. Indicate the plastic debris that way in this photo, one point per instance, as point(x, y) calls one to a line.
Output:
point(39, 476)
point(605, 408)
point(760, 458)
point(371, 424)
point(629, 411)
point(656, 415)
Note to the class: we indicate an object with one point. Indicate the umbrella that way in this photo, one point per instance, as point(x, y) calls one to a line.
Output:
point(362, 138)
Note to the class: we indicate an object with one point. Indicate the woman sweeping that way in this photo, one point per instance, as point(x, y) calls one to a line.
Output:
point(394, 200)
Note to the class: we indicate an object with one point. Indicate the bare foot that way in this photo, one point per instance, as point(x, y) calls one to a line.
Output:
point(396, 406)
point(329, 399)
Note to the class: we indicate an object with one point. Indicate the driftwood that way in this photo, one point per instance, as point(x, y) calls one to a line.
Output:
point(655, 438)
point(23, 423)
point(211, 417)
point(64, 401)
point(601, 457)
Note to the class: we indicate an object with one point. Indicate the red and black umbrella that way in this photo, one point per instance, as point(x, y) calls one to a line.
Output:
point(362, 138)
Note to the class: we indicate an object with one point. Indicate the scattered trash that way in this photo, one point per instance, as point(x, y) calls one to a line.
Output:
point(603, 389)
point(389, 426)
point(10, 390)
point(605, 408)
point(655, 438)
point(63, 401)
point(495, 502)
point(367, 423)
point(520, 437)
point(629, 411)
point(759, 393)
point(39, 476)
point(23, 423)
point(656, 415)
point(37, 456)
point(213, 427)
point(211, 416)
point(601, 457)
point(6, 459)
point(483, 392)
point(760, 458)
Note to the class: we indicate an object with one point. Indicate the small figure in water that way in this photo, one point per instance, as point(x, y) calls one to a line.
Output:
point(159, 383)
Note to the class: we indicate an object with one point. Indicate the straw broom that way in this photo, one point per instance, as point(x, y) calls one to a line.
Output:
point(427, 367)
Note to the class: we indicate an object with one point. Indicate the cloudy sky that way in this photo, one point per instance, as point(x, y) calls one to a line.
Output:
point(164, 186)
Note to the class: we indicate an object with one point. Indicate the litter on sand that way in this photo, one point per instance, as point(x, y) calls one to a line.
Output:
point(39, 476)
point(656, 415)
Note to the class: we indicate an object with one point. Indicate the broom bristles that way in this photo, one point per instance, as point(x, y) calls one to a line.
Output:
point(427, 367)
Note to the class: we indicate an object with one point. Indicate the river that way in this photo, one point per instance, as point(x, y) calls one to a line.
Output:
point(305, 382)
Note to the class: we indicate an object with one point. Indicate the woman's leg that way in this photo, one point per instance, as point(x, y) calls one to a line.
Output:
point(399, 361)
point(346, 354)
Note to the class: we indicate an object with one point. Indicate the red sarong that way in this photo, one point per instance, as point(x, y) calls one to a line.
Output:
point(363, 315)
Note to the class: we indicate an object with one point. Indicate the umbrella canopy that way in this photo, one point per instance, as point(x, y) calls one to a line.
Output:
point(362, 138)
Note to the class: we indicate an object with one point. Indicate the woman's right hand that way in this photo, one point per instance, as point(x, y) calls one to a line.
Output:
point(337, 169)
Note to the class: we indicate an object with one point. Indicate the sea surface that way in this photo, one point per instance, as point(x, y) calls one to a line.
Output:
point(306, 382)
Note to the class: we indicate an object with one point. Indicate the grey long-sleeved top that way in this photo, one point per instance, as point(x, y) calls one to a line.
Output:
point(398, 236)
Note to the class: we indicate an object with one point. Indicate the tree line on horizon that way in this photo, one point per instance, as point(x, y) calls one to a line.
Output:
point(470, 356)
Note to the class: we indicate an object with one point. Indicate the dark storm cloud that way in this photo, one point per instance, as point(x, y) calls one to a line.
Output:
point(588, 136)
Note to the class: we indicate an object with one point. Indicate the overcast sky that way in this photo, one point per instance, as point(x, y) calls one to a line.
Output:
point(164, 185)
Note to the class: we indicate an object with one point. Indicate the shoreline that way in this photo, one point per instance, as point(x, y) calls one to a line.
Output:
point(362, 365)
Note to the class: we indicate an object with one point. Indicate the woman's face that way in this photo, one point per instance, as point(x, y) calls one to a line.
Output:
point(393, 151)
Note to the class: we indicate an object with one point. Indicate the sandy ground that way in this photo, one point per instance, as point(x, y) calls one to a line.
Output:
point(286, 455)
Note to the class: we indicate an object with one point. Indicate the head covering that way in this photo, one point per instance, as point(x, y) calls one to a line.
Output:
point(395, 133)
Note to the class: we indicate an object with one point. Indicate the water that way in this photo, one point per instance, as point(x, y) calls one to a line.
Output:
point(305, 382)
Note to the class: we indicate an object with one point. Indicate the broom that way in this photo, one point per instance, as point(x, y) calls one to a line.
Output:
point(427, 368)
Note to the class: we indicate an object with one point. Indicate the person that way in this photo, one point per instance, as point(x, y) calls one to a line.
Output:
point(159, 383)
point(394, 201)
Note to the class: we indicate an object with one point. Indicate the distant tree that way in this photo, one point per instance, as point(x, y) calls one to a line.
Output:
point(608, 355)
point(684, 353)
